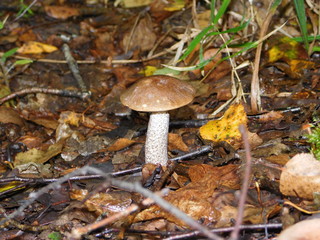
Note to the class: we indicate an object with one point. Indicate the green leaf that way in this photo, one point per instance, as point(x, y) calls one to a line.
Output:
point(55, 236)
point(165, 71)
point(8, 54)
point(23, 62)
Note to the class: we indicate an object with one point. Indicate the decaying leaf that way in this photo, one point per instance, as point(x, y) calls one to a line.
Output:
point(226, 128)
point(33, 47)
point(38, 156)
point(291, 52)
point(301, 176)
point(195, 198)
point(75, 119)
point(103, 203)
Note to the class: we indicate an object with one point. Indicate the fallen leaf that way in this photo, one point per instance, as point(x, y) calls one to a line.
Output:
point(226, 128)
point(194, 198)
point(119, 144)
point(301, 176)
point(142, 38)
point(9, 115)
point(61, 12)
point(33, 47)
point(103, 203)
point(175, 142)
point(134, 3)
point(270, 116)
point(38, 156)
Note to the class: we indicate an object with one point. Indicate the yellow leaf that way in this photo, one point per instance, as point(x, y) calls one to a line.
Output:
point(226, 128)
point(175, 6)
point(71, 118)
point(33, 47)
point(9, 186)
point(148, 71)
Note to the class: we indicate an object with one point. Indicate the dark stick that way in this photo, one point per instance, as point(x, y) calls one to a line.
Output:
point(64, 93)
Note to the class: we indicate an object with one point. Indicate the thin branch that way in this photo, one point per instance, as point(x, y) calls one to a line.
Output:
point(74, 68)
point(227, 229)
point(63, 93)
point(245, 184)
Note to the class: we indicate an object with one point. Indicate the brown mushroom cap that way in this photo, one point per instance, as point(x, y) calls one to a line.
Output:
point(158, 93)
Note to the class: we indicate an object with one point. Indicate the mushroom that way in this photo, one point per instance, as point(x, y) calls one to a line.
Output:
point(157, 94)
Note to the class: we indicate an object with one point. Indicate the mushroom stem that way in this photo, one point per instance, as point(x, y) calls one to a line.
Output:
point(157, 139)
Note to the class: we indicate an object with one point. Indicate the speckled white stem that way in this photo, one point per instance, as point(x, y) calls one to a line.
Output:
point(157, 139)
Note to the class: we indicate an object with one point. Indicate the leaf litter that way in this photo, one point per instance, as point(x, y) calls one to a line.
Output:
point(46, 135)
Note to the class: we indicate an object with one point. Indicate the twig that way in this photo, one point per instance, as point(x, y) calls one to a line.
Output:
point(25, 10)
point(63, 93)
point(197, 152)
point(226, 229)
point(74, 68)
point(74, 178)
point(255, 86)
point(245, 184)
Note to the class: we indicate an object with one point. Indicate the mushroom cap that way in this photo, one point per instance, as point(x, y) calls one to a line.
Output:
point(157, 93)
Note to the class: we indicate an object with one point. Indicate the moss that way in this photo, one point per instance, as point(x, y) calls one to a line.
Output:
point(314, 139)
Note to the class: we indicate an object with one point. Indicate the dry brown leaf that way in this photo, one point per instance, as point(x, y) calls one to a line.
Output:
point(301, 176)
point(61, 12)
point(103, 203)
point(270, 116)
point(8, 115)
point(194, 199)
point(119, 144)
point(175, 142)
point(142, 38)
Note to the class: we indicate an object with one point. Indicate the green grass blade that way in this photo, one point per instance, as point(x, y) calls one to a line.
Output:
point(195, 41)
point(309, 38)
point(8, 54)
point(221, 11)
point(302, 19)
point(212, 7)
